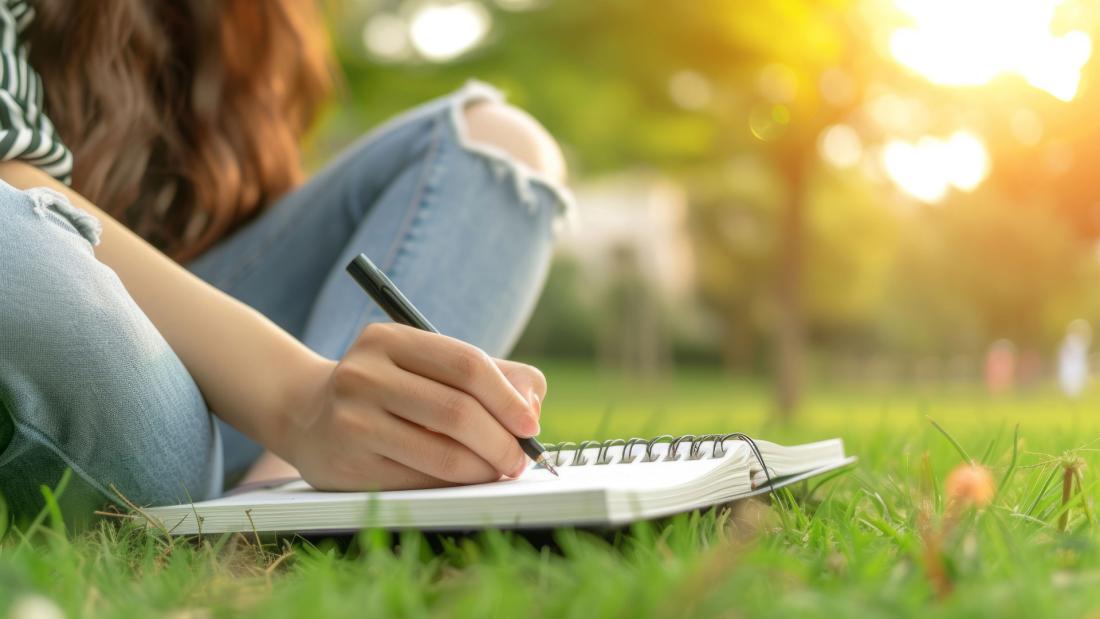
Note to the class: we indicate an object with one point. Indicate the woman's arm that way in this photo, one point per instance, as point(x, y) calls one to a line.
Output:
point(357, 423)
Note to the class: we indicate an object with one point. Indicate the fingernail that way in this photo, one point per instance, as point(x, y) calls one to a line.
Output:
point(536, 403)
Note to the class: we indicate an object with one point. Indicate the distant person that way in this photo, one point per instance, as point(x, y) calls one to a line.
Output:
point(174, 312)
point(1073, 359)
point(1029, 368)
point(1000, 367)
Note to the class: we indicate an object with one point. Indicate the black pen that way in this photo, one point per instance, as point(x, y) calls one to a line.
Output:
point(401, 310)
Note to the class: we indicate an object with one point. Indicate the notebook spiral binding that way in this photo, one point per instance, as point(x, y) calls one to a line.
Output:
point(695, 446)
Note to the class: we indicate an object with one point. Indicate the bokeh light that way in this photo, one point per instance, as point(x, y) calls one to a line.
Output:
point(928, 168)
point(386, 37)
point(777, 83)
point(837, 87)
point(689, 90)
point(441, 32)
point(840, 145)
point(899, 115)
point(769, 122)
point(971, 42)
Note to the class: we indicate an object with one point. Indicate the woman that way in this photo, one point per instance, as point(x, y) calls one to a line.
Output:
point(174, 313)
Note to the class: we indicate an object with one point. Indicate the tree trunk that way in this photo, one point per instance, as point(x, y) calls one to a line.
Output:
point(789, 330)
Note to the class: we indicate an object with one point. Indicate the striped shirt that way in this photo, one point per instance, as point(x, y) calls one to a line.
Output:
point(25, 132)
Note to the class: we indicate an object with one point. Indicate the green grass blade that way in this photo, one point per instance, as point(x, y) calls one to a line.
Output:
point(958, 446)
point(1012, 464)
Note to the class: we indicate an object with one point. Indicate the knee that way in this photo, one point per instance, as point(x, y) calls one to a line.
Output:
point(98, 393)
point(515, 132)
point(50, 268)
point(89, 382)
point(39, 222)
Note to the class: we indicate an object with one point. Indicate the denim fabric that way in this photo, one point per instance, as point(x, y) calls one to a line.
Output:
point(87, 382)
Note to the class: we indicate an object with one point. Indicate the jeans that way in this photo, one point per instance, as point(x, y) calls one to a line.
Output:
point(87, 382)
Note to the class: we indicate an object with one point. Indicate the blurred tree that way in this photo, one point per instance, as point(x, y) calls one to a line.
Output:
point(970, 275)
point(786, 111)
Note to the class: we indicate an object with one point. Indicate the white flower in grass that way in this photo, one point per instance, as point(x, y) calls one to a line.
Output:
point(35, 606)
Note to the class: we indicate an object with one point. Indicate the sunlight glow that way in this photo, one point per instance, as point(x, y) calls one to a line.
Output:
point(840, 146)
point(440, 32)
point(928, 168)
point(971, 42)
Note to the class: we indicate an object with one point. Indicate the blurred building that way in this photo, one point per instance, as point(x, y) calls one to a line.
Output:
point(641, 212)
point(635, 259)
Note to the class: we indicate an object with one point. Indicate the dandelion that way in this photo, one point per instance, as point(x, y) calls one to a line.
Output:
point(970, 485)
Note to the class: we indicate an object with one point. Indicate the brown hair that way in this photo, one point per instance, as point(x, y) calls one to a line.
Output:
point(183, 116)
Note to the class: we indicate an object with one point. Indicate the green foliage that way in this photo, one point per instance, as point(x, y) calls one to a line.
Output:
point(990, 268)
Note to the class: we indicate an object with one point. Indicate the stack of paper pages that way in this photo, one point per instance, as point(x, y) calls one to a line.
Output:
point(602, 483)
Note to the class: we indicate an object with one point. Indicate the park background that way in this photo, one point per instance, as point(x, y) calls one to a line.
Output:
point(872, 219)
point(874, 194)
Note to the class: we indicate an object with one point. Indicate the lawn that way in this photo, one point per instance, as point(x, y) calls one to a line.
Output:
point(883, 540)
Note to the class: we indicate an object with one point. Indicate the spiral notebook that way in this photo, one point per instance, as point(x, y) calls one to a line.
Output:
point(605, 483)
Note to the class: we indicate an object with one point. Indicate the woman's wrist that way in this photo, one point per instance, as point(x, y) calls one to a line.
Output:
point(305, 384)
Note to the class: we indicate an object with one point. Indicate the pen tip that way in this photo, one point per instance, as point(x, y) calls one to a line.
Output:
point(545, 462)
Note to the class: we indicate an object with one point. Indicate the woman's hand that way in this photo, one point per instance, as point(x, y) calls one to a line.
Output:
point(410, 409)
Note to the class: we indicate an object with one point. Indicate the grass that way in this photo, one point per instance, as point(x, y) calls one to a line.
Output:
point(883, 540)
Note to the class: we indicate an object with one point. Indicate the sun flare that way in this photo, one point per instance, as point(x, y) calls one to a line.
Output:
point(971, 42)
point(927, 169)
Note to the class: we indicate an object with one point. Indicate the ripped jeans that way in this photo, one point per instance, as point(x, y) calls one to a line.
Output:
point(87, 382)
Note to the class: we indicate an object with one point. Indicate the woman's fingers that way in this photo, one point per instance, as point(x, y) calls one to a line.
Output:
point(463, 367)
point(446, 410)
point(409, 408)
point(430, 453)
point(527, 379)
